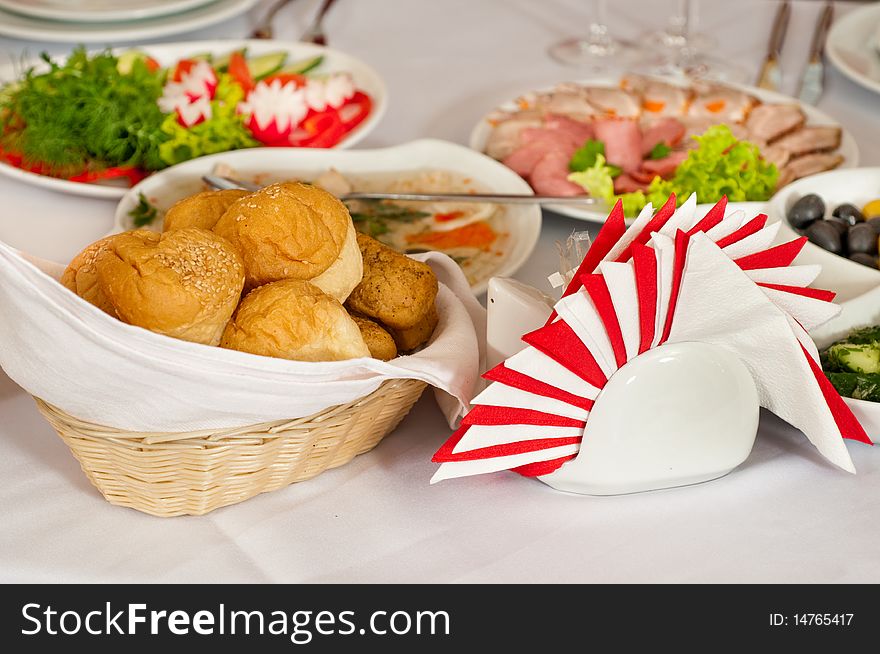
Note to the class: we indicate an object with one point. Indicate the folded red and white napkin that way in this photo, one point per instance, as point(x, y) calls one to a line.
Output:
point(670, 277)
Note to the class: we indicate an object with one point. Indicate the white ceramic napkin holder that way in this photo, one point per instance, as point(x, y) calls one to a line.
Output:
point(681, 414)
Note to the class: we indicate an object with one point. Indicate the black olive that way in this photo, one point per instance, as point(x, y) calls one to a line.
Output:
point(825, 235)
point(874, 223)
point(862, 238)
point(848, 213)
point(806, 211)
point(864, 259)
point(840, 226)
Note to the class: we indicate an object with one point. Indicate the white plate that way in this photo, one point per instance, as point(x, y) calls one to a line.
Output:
point(166, 54)
point(857, 286)
point(80, 11)
point(851, 46)
point(523, 222)
point(35, 29)
point(848, 147)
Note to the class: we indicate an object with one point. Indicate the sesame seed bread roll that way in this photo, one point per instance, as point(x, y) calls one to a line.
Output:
point(201, 210)
point(379, 341)
point(294, 319)
point(185, 283)
point(396, 291)
point(286, 231)
point(412, 337)
point(81, 275)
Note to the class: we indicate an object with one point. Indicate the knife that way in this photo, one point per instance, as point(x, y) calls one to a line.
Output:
point(812, 81)
point(770, 77)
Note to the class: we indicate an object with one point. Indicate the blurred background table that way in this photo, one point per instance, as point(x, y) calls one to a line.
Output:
point(785, 515)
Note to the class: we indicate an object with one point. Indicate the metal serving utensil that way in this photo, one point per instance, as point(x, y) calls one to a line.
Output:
point(812, 82)
point(770, 77)
point(219, 182)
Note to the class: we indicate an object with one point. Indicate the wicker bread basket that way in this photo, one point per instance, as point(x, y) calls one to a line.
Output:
point(192, 473)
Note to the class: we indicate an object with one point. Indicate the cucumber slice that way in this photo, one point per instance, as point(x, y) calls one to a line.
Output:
point(864, 358)
point(221, 63)
point(266, 64)
point(125, 61)
point(203, 56)
point(303, 66)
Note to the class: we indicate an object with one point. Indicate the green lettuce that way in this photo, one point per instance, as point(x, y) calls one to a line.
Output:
point(598, 181)
point(224, 131)
point(721, 165)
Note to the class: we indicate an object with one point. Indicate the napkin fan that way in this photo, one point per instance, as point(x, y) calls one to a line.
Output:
point(650, 370)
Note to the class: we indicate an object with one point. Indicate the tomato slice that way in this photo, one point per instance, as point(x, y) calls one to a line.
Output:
point(151, 64)
point(239, 71)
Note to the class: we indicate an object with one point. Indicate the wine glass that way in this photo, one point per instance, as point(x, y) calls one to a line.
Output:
point(680, 51)
point(598, 50)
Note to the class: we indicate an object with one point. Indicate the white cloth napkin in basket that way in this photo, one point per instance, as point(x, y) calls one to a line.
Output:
point(72, 355)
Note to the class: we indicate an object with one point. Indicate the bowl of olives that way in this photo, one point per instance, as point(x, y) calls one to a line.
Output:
point(846, 230)
point(839, 213)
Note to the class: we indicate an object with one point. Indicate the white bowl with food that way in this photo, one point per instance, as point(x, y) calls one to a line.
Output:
point(204, 99)
point(642, 127)
point(486, 240)
point(857, 285)
point(838, 191)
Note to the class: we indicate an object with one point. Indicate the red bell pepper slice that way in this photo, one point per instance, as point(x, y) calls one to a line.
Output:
point(324, 129)
point(182, 68)
point(133, 174)
point(355, 110)
point(240, 72)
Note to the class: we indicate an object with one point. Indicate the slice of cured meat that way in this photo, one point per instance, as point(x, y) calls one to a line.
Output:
point(808, 164)
point(770, 121)
point(550, 176)
point(668, 131)
point(819, 138)
point(623, 142)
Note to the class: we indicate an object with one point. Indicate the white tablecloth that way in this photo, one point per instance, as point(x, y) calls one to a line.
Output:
point(784, 515)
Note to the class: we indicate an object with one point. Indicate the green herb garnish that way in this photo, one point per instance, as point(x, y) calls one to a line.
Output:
point(144, 212)
point(85, 114)
point(372, 217)
point(660, 151)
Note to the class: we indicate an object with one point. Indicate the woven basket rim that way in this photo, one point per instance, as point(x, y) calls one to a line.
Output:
point(267, 430)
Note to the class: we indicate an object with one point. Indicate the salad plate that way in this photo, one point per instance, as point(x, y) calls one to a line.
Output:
point(486, 240)
point(141, 29)
point(325, 62)
point(79, 11)
point(853, 46)
point(846, 153)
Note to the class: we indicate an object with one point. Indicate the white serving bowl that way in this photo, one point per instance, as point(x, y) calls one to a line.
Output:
point(523, 222)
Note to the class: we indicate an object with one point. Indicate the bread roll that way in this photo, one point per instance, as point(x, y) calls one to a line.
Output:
point(396, 290)
point(201, 210)
point(412, 337)
point(379, 341)
point(294, 319)
point(286, 231)
point(340, 279)
point(185, 283)
point(81, 276)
